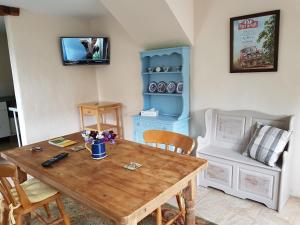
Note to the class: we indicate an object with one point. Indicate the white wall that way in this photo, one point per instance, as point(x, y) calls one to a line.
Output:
point(121, 80)
point(46, 91)
point(151, 23)
point(213, 86)
point(6, 82)
point(211, 83)
point(184, 13)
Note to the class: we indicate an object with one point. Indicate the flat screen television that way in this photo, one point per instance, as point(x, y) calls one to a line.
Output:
point(85, 50)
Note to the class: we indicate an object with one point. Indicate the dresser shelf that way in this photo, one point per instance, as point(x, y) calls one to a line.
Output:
point(157, 73)
point(163, 94)
point(167, 104)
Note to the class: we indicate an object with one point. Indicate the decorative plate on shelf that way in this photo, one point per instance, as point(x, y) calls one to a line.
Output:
point(166, 68)
point(149, 69)
point(178, 68)
point(161, 87)
point(179, 88)
point(171, 88)
point(152, 87)
point(158, 69)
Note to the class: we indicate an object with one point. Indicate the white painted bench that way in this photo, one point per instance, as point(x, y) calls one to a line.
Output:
point(227, 135)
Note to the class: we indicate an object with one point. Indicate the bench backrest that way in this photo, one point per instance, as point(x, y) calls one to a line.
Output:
point(234, 129)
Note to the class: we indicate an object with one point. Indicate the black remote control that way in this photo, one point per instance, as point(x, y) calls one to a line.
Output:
point(55, 159)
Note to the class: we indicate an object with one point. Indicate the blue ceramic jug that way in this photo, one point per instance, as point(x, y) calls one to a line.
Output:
point(98, 150)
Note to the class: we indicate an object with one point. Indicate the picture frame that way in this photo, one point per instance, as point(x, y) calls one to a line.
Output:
point(254, 41)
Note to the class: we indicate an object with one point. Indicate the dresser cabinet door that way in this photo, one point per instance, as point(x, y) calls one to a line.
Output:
point(219, 173)
point(141, 125)
point(138, 131)
point(256, 183)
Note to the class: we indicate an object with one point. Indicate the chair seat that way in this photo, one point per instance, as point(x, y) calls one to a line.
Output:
point(35, 190)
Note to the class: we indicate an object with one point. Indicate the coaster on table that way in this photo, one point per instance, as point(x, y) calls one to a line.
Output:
point(77, 148)
point(132, 166)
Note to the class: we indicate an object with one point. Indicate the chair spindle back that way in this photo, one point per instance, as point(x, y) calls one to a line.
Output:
point(170, 139)
point(10, 171)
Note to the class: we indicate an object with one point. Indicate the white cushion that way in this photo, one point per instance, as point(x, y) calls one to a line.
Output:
point(36, 190)
point(267, 144)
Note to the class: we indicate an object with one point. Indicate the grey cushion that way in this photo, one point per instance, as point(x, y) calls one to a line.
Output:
point(267, 144)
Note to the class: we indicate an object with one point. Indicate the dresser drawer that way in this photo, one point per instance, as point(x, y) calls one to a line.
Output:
point(219, 173)
point(150, 125)
point(89, 112)
point(255, 183)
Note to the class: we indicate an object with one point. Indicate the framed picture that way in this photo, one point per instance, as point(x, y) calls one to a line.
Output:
point(254, 42)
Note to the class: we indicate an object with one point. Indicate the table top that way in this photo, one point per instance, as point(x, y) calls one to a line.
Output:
point(104, 185)
point(97, 105)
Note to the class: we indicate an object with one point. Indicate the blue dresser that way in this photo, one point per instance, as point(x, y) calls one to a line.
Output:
point(167, 65)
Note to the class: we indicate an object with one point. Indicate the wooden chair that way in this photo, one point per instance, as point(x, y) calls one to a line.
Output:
point(180, 144)
point(23, 199)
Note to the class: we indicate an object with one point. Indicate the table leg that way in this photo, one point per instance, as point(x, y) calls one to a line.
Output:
point(27, 219)
point(189, 197)
point(119, 122)
point(98, 120)
point(22, 175)
point(81, 118)
point(5, 216)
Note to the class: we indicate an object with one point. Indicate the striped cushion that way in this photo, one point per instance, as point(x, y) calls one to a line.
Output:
point(267, 144)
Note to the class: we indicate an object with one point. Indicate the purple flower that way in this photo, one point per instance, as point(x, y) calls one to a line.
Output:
point(95, 136)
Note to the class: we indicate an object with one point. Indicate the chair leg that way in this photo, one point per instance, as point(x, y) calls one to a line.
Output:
point(27, 218)
point(5, 216)
point(19, 220)
point(181, 206)
point(179, 202)
point(158, 216)
point(62, 212)
point(47, 209)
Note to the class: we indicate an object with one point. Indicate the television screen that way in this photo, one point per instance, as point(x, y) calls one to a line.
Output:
point(89, 50)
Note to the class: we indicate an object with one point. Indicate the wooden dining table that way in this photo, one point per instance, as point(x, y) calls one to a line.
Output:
point(122, 195)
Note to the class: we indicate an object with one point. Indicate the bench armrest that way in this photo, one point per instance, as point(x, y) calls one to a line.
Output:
point(285, 160)
point(205, 141)
point(202, 142)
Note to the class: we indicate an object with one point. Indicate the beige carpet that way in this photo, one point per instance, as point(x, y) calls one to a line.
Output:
point(81, 215)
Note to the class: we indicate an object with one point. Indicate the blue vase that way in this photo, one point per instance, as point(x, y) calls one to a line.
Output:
point(98, 150)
